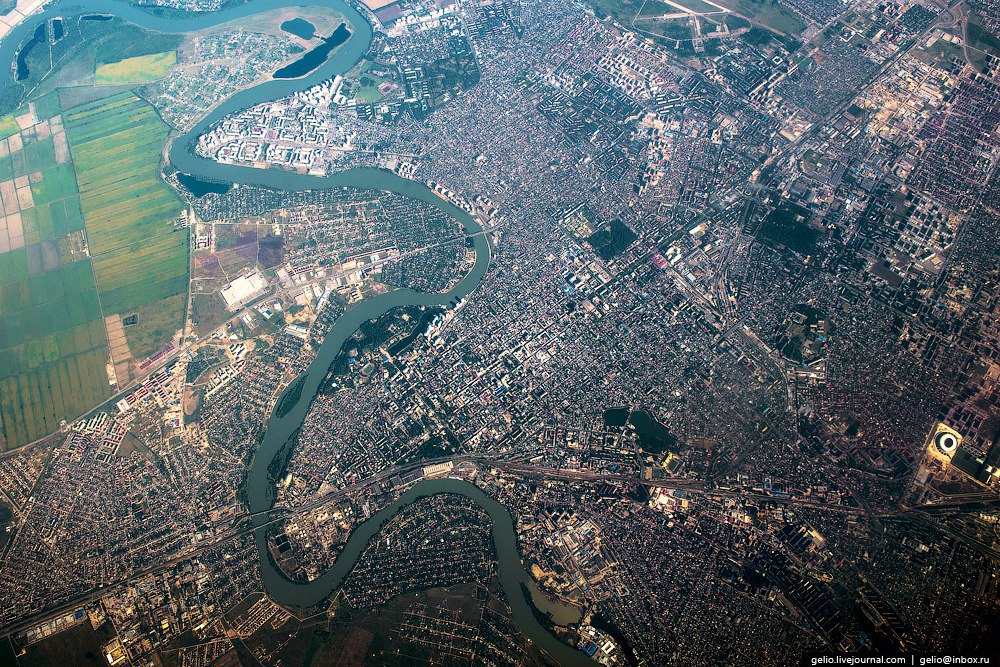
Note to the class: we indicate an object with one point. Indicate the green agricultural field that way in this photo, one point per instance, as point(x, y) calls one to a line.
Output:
point(41, 155)
point(19, 163)
point(53, 342)
point(58, 183)
point(53, 345)
point(116, 144)
point(13, 267)
point(42, 303)
point(140, 260)
point(136, 70)
point(34, 403)
point(54, 220)
point(47, 106)
point(8, 126)
point(52, 348)
point(135, 275)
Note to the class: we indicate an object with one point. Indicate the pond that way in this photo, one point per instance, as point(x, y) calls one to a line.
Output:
point(299, 27)
point(316, 57)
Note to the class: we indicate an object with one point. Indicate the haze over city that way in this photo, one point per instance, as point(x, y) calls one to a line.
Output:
point(495, 332)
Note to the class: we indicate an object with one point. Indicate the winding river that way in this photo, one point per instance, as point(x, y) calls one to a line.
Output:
point(280, 431)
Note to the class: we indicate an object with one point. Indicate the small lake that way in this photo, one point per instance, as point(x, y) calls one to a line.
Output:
point(22, 56)
point(316, 57)
point(299, 27)
point(654, 436)
point(199, 187)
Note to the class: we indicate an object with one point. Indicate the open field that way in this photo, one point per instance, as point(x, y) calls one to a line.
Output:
point(116, 144)
point(132, 276)
point(368, 85)
point(95, 167)
point(50, 221)
point(58, 182)
point(78, 646)
point(656, 8)
point(159, 321)
point(982, 43)
point(656, 17)
point(140, 260)
point(52, 350)
point(136, 70)
point(47, 106)
point(668, 29)
point(323, 19)
point(771, 14)
point(208, 312)
point(35, 402)
point(41, 303)
point(8, 126)
point(52, 338)
point(71, 61)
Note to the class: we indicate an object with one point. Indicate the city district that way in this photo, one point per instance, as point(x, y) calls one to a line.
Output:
point(499, 332)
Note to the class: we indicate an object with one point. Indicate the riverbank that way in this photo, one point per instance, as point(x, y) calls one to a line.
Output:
point(512, 574)
point(283, 423)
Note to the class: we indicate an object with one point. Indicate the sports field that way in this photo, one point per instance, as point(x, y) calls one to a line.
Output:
point(140, 260)
point(136, 70)
point(53, 347)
